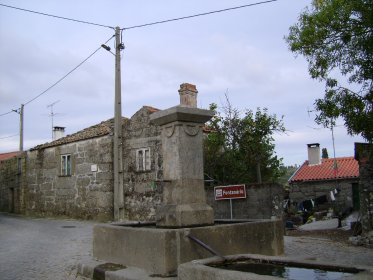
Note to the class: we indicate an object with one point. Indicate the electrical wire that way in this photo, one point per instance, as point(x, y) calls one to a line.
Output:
point(54, 16)
point(11, 111)
point(125, 28)
point(9, 136)
point(198, 15)
point(71, 71)
point(7, 113)
point(61, 79)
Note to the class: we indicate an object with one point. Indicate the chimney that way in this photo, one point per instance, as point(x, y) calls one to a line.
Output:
point(58, 132)
point(314, 154)
point(188, 95)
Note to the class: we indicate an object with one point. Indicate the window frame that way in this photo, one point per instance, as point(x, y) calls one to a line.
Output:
point(143, 160)
point(66, 165)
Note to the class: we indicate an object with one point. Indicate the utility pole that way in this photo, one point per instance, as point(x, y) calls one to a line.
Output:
point(20, 112)
point(21, 128)
point(118, 141)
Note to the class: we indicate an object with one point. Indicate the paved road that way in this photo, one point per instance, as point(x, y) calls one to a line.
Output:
point(51, 249)
point(322, 249)
point(42, 248)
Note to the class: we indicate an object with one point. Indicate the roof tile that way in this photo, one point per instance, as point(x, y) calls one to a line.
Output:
point(347, 168)
point(101, 129)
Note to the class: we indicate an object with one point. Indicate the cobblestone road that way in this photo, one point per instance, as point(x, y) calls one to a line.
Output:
point(42, 248)
point(51, 249)
point(312, 248)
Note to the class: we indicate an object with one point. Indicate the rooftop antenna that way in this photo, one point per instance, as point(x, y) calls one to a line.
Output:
point(52, 114)
point(332, 125)
point(309, 111)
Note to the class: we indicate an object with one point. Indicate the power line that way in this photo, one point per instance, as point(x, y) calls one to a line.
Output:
point(125, 28)
point(54, 16)
point(198, 15)
point(71, 71)
point(7, 113)
point(60, 80)
point(11, 136)
point(11, 111)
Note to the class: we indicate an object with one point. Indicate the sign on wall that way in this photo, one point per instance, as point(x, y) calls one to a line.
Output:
point(230, 192)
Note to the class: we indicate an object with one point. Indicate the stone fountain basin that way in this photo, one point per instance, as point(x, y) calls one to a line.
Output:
point(160, 251)
point(215, 268)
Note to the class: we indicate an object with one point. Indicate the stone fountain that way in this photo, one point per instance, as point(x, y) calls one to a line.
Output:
point(185, 221)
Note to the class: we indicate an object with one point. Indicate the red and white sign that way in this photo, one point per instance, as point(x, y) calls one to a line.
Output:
point(230, 192)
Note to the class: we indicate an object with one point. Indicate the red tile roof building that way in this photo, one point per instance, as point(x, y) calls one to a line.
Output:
point(347, 168)
point(333, 181)
point(6, 156)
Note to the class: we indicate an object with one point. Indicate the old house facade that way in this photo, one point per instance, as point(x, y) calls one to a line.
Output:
point(142, 170)
point(11, 181)
point(73, 175)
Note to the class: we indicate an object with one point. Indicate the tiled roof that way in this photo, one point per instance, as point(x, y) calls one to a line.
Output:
point(6, 156)
point(151, 109)
point(347, 168)
point(101, 129)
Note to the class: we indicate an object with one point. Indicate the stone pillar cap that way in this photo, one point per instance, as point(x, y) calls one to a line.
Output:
point(179, 113)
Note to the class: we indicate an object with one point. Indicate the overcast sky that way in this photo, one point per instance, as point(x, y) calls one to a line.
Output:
point(242, 52)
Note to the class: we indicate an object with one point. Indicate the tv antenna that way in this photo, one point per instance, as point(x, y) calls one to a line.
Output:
point(52, 113)
point(309, 111)
point(332, 125)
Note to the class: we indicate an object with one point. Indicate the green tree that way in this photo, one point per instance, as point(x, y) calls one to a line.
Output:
point(336, 38)
point(241, 149)
point(324, 153)
point(288, 171)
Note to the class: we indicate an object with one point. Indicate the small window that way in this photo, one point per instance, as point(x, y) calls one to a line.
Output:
point(66, 165)
point(143, 162)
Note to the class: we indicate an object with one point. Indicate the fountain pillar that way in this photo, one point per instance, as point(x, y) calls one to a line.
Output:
point(184, 198)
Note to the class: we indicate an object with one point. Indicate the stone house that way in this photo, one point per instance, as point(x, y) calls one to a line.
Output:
point(325, 183)
point(73, 175)
point(11, 166)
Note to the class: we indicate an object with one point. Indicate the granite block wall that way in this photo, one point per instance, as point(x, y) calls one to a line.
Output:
point(85, 194)
point(262, 201)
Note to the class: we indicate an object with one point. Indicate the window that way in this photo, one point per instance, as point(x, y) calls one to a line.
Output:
point(143, 162)
point(66, 165)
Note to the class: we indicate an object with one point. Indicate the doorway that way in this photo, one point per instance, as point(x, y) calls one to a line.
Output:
point(355, 196)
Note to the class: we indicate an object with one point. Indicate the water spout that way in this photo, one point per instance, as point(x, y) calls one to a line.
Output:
point(205, 246)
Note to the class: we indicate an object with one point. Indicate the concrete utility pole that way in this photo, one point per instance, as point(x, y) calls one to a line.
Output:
point(20, 112)
point(118, 141)
point(21, 128)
